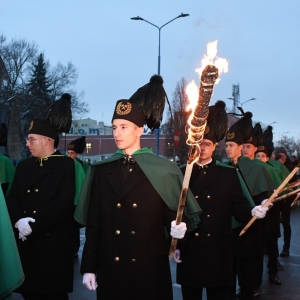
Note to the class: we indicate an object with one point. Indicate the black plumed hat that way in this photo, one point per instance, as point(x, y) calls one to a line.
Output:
point(267, 145)
point(217, 122)
point(56, 118)
point(78, 145)
point(3, 134)
point(256, 137)
point(241, 130)
point(151, 99)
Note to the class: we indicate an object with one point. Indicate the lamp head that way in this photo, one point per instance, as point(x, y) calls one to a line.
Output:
point(183, 15)
point(137, 18)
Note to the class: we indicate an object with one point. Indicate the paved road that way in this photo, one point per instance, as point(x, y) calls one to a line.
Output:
point(290, 276)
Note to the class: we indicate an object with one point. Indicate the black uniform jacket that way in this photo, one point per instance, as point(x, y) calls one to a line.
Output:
point(125, 236)
point(207, 257)
point(45, 193)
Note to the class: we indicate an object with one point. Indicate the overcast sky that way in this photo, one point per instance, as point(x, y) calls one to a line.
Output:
point(115, 55)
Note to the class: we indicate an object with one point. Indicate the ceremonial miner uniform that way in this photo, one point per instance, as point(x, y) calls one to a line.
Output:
point(131, 198)
point(207, 257)
point(41, 207)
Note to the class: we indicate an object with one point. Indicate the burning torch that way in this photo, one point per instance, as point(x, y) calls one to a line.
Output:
point(197, 123)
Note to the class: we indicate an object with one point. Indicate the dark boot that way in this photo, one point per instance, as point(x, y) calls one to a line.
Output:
point(285, 252)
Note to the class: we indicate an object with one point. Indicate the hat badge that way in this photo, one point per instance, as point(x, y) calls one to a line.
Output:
point(230, 135)
point(123, 109)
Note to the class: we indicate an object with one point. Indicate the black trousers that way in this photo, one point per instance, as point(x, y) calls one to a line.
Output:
point(285, 211)
point(215, 293)
point(46, 297)
point(249, 271)
point(272, 245)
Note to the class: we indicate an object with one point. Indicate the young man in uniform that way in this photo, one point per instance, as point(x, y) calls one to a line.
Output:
point(249, 248)
point(271, 224)
point(132, 197)
point(207, 257)
point(41, 208)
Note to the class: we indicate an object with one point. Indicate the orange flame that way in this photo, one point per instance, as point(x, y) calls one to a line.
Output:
point(192, 89)
point(211, 58)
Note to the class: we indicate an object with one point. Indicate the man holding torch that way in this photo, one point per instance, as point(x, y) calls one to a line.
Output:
point(207, 257)
point(130, 199)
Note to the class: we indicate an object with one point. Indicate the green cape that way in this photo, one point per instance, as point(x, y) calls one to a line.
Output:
point(85, 166)
point(257, 180)
point(246, 194)
point(79, 179)
point(6, 169)
point(278, 165)
point(167, 181)
point(11, 273)
point(272, 172)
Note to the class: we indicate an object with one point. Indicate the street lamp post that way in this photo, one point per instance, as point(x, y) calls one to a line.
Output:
point(157, 131)
point(240, 103)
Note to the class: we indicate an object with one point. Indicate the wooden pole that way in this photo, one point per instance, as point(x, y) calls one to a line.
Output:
point(181, 204)
point(295, 200)
point(273, 196)
point(291, 185)
point(286, 195)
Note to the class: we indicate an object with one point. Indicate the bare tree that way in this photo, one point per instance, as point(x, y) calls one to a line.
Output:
point(289, 144)
point(179, 123)
point(19, 58)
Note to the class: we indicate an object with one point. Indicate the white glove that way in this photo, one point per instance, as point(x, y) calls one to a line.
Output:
point(23, 237)
point(178, 231)
point(89, 280)
point(270, 204)
point(23, 225)
point(176, 257)
point(259, 212)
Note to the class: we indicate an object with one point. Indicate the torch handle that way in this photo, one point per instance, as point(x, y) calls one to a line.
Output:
point(181, 204)
point(276, 192)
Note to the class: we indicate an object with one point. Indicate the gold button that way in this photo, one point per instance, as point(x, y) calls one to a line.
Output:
point(133, 260)
point(208, 216)
point(204, 172)
point(130, 170)
point(208, 235)
point(117, 258)
point(28, 191)
point(197, 197)
point(36, 190)
point(134, 205)
point(196, 234)
point(34, 211)
point(119, 205)
point(132, 232)
point(118, 232)
point(24, 211)
point(208, 197)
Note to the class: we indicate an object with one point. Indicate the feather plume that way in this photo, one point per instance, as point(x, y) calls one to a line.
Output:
point(217, 120)
point(268, 139)
point(257, 133)
point(150, 98)
point(243, 125)
point(59, 114)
